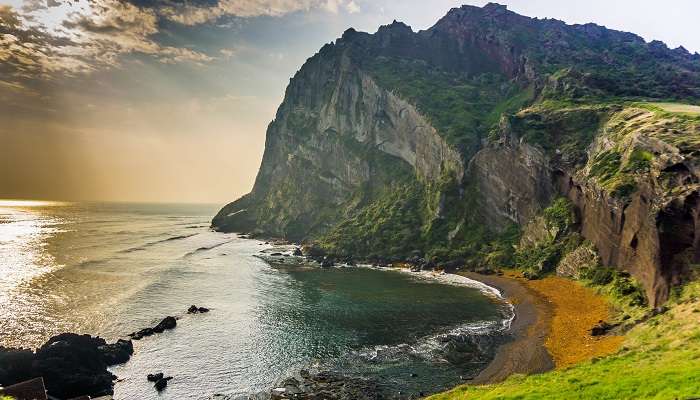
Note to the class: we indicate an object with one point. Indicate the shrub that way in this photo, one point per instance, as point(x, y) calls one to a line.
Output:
point(639, 161)
point(620, 285)
point(606, 165)
point(560, 214)
point(625, 287)
point(538, 259)
point(599, 276)
point(624, 190)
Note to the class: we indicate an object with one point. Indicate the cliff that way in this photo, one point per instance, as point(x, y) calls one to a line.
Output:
point(441, 143)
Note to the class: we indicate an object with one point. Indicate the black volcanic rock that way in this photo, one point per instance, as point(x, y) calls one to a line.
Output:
point(118, 352)
point(71, 365)
point(162, 383)
point(154, 377)
point(197, 310)
point(166, 324)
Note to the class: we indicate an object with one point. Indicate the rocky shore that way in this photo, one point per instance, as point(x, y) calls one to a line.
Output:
point(74, 365)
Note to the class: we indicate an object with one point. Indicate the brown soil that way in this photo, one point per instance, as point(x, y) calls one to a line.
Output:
point(575, 310)
point(552, 326)
point(526, 352)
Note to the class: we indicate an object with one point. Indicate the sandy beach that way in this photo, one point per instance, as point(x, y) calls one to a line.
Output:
point(553, 317)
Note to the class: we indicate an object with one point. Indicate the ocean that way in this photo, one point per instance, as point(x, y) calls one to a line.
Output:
point(109, 269)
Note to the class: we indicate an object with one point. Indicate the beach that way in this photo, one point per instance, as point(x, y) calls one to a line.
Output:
point(551, 328)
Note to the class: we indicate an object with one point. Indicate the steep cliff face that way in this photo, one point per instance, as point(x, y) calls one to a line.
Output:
point(635, 191)
point(438, 142)
point(336, 133)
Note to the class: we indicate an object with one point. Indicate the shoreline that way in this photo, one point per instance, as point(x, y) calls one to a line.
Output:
point(526, 352)
point(551, 328)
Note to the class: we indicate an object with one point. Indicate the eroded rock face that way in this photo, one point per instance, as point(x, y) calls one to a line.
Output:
point(650, 229)
point(654, 242)
point(336, 131)
point(341, 136)
point(513, 181)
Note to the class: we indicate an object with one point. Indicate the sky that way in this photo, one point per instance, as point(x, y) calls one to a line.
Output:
point(168, 101)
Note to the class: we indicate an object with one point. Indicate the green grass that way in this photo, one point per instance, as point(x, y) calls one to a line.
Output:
point(678, 108)
point(660, 360)
point(462, 108)
point(560, 126)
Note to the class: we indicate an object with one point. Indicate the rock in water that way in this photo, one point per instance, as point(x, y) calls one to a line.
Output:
point(194, 309)
point(162, 383)
point(72, 365)
point(154, 377)
point(166, 324)
point(118, 352)
point(326, 385)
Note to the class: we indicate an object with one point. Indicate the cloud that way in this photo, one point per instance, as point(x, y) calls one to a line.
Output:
point(9, 19)
point(195, 14)
point(91, 36)
point(352, 7)
point(174, 55)
point(33, 5)
point(53, 38)
point(227, 53)
point(15, 87)
point(334, 6)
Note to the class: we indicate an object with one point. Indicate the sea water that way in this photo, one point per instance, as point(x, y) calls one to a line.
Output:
point(109, 269)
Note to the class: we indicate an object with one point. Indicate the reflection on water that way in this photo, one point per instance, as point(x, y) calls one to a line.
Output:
point(110, 269)
point(24, 234)
point(31, 203)
point(61, 266)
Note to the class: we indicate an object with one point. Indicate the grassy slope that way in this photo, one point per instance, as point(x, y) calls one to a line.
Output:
point(660, 360)
point(678, 108)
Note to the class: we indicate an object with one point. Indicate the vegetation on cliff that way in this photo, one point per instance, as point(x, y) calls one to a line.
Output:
point(373, 150)
point(461, 107)
point(496, 140)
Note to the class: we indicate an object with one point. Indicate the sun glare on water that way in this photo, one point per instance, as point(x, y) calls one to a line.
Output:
point(30, 203)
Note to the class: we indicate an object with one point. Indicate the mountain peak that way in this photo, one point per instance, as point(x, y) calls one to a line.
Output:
point(395, 26)
point(495, 8)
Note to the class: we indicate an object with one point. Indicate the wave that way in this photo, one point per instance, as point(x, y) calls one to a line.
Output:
point(436, 347)
point(91, 262)
point(156, 242)
point(206, 248)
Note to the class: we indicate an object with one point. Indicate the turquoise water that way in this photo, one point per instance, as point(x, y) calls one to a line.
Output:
point(110, 269)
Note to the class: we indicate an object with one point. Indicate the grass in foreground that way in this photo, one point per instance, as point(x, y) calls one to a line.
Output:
point(660, 360)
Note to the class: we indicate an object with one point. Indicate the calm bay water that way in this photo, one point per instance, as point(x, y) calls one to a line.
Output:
point(110, 269)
